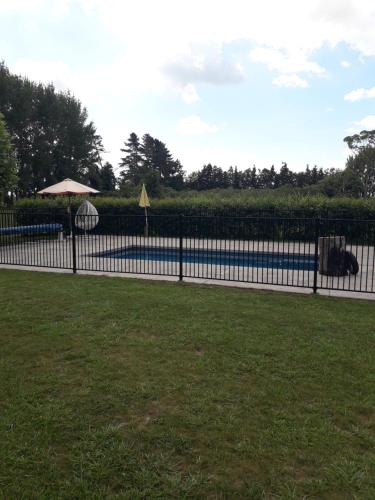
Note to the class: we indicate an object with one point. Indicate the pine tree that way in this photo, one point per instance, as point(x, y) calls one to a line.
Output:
point(147, 149)
point(254, 178)
point(93, 177)
point(236, 179)
point(132, 163)
point(108, 179)
point(151, 162)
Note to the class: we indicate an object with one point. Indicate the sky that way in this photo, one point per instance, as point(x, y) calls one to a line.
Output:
point(238, 82)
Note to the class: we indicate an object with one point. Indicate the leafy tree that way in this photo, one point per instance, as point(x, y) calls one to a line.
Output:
point(267, 178)
point(176, 181)
point(285, 176)
point(361, 165)
point(250, 178)
point(316, 175)
point(339, 183)
point(200, 179)
point(364, 139)
point(50, 131)
point(209, 177)
point(8, 165)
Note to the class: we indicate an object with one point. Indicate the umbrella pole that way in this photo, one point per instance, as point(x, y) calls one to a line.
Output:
point(70, 217)
point(146, 225)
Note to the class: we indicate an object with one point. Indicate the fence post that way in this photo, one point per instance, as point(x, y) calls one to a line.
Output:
point(316, 254)
point(74, 251)
point(180, 247)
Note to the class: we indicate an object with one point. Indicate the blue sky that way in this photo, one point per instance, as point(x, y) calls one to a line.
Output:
point(231, 83)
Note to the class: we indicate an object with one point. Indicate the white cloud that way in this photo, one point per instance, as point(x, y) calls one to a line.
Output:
point(46, 71)
point(186, 48)
point(345, 64)
point(184, 43)
point(290, 81)
point(189, 93)
point(193, 125)
point(206, 64)
point(289, 63)
point(180, 46)
point(350, 22)
point(285, 62)
point(57, 8)
point(367, 123)
point(357, 95)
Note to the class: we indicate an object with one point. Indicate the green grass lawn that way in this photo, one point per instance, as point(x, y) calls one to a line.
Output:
point(114, 388)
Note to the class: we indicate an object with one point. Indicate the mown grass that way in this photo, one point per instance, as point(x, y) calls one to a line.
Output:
point(113, 388)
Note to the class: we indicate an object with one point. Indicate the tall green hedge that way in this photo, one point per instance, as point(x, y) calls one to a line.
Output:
point(281, 206)
point(219, 219)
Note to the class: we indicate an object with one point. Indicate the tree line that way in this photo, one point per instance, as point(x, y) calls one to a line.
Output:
point(148, 160)
point(213, 177)
point(46, 136)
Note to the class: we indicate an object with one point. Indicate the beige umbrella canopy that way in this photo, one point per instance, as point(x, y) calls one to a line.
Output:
point(68, 187)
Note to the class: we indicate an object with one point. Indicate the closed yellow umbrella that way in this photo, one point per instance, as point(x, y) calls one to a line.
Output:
point(144, 202)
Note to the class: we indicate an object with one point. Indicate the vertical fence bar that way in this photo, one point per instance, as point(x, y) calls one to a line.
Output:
point(181, 273)
point(73, 234)
point(316, 255)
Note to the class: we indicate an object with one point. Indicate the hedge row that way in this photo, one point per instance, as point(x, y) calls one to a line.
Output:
point(278, 230)
point(124, 216)
point(287, 206)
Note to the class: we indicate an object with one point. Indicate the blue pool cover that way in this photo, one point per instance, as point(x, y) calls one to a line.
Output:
point(216, 257)
point(35, 229)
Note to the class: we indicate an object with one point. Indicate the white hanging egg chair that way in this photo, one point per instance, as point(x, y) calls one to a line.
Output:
point(87, 217)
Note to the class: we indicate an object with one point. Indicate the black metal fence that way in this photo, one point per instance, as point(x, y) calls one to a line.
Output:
point(335, 254)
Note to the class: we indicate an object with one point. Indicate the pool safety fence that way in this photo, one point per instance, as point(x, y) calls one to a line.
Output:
point(334, 254)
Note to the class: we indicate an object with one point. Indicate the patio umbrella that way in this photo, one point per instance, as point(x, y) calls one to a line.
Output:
point(67, 187)
point(144, 202)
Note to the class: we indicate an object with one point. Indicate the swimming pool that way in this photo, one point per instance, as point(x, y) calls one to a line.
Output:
point(215, 257)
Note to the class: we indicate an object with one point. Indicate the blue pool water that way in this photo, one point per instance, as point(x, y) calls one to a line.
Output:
point(216, 257)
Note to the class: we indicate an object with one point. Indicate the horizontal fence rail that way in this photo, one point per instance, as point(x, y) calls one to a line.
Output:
point(330, 254)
